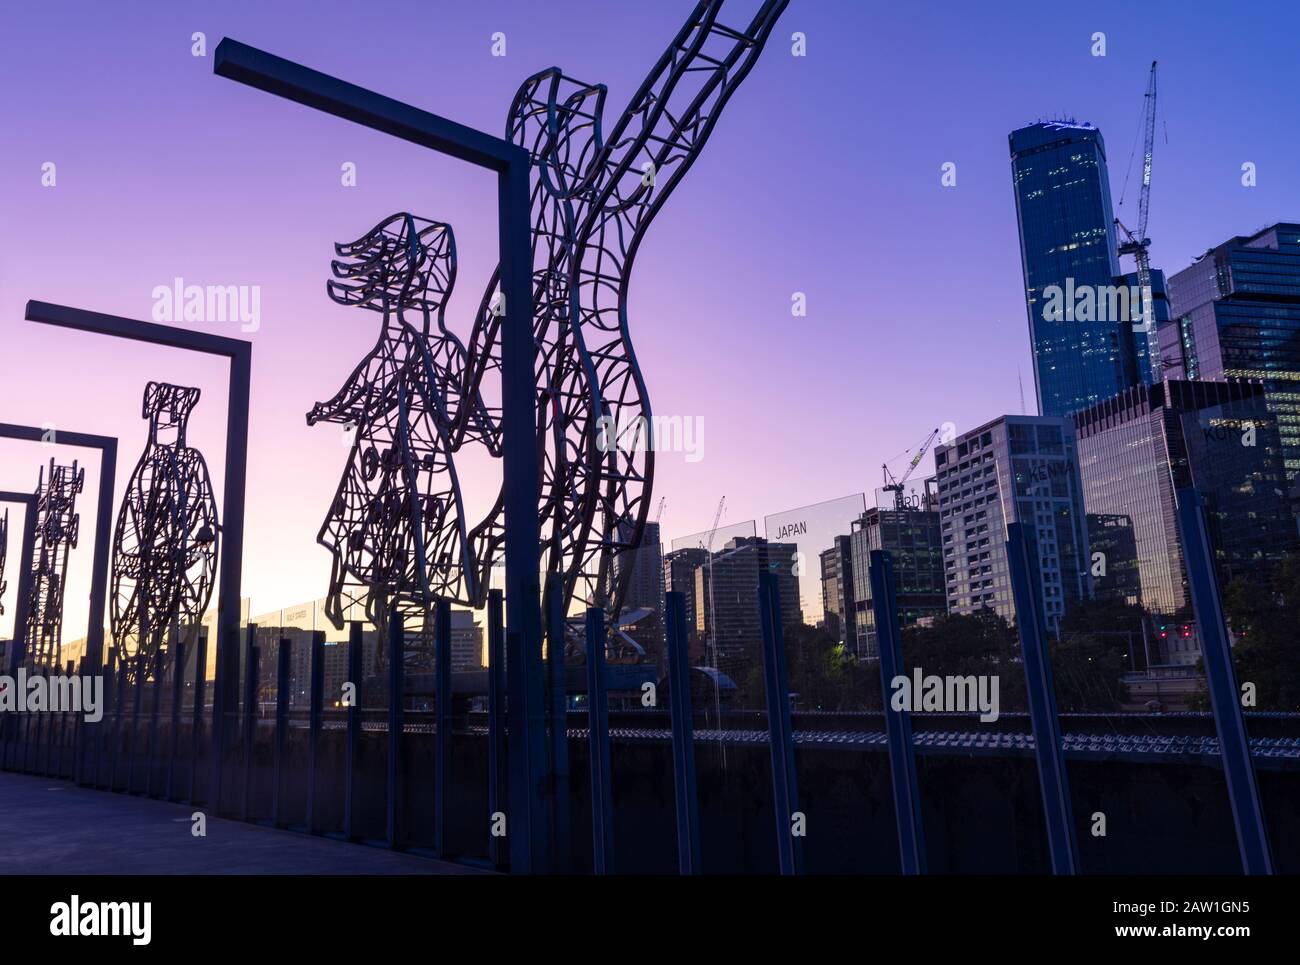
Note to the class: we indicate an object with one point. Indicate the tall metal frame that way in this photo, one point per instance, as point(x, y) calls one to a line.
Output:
point(17, 646)
point(57, 529)
point(239, 353)
point(568, 376)
point(107, 448)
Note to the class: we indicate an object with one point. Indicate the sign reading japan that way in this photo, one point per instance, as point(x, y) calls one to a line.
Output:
point(813, 529)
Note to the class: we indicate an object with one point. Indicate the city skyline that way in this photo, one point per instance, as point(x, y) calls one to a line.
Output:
point(168, 213)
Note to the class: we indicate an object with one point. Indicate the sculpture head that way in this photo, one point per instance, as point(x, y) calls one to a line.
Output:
point(402, 262)
point(557, 120)
point(168, 408)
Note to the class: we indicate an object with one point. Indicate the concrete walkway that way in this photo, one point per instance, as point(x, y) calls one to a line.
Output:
point(52, 827)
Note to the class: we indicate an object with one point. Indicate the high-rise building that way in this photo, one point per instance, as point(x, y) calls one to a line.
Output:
point(726, 599)
point(1135, 450)
point(913, 539)
point(644, 601)
point(1114, 566)
point(837, 591)
point(1236, 314)
point(679, 577)
point(1080, 311)
point(1015, 469)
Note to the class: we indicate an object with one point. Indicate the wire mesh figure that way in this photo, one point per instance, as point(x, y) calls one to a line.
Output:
point(57, 528)
point(397, 528)
point(593, 198)
point(165, 544)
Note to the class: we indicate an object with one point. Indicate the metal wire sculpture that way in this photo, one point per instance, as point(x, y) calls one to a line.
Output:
point(165, 545)
point(397, 526)
point(57, 528)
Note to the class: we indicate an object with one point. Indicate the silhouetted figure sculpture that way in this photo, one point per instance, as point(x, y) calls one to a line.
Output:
point(165, 545)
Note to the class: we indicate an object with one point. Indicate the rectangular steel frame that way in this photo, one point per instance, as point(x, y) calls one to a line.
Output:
point(529, 834)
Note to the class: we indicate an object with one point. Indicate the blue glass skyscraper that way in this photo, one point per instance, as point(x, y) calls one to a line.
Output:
point(1085, 346)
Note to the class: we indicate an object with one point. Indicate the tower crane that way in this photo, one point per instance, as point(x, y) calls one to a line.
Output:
point(896, 485)
point(1136, 243)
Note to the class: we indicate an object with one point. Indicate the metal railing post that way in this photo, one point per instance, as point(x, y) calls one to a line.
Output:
point(898, 723)
point(602, 805)
point(681, 712)
point(396, 695)
point(356, 644)
point(781, 733)
point(1041, 697)
point(442, 721)
point(1221, 680)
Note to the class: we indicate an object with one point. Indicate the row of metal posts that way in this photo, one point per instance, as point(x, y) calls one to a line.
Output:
point(1021, 548)
point(1061, 835)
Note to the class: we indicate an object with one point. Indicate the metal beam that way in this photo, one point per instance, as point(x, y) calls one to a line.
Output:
point(527, 754)
point(1225, 697)
point(107, 446)
point(18, 645)
point(898, 723)
point(240, 355)
point(1041, 696)
point(776, 679)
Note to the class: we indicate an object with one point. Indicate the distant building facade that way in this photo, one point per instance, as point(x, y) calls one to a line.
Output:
point(679, 577)
point(913, 538)
point(1015, 469)
point(726, 599)
point(837, 591)
point(1135, 450)
point(644, 568)
point(1236, 314)
point(1114, 562)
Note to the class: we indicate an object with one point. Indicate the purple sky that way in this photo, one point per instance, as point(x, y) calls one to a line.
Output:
point(822, 177)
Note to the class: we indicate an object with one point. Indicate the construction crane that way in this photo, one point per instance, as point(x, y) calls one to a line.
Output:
point(663, 501)
point(896, 485)
point(1136, 243)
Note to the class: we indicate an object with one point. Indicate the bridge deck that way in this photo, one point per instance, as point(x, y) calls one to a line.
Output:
point(54, 827)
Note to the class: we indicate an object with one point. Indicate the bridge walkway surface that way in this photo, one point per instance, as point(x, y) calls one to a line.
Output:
point(54, 827)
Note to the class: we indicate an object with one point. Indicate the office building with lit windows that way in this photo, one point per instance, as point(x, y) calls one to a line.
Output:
point(837, 591)
point(726, 600)
point(913, 540)
point(1138, 449)
point(1091, 350)
point(1236, 314)
point(1015, 469)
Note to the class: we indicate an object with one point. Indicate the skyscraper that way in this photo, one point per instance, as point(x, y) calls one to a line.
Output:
point(644, 601)
point(1015, 469)
point(1135, 450)
point(912, 537)
point(1236, 314)
point(679, 576)
point(837, 591)
point(726, 598)
point(1085, 346)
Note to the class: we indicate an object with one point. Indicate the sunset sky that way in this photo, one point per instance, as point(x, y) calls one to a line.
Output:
point(822, 177)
